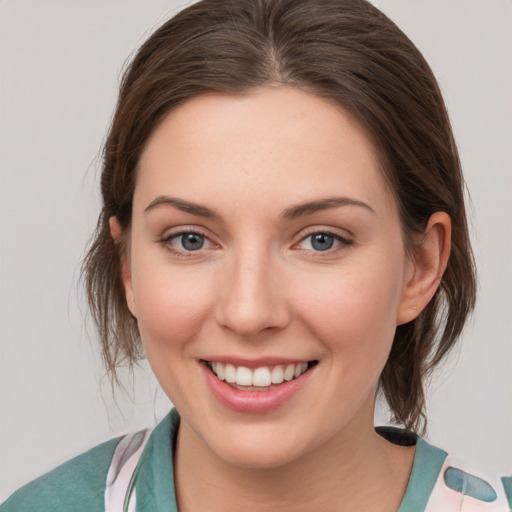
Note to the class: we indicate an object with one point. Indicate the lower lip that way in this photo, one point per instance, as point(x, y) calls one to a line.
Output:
point(254, 401)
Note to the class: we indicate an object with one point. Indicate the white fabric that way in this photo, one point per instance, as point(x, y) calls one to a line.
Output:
point(444, 499)
point(121, 470)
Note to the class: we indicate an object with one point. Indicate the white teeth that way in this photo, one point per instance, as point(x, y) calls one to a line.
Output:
point(277, 375)
point(220, 371)
point(243, 376)
point(289, 372)
point(229, 372)
point(300, 369)
point(259, 377)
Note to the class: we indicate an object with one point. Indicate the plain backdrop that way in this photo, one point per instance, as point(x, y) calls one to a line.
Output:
point(60, 68)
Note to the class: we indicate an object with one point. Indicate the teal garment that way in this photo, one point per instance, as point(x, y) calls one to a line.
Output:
point(79, 485)
point(76, 486)
point(154, 478)
point(507, 485)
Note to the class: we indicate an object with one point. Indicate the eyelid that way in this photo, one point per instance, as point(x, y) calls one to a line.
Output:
point(181, 230)
point(303, 234)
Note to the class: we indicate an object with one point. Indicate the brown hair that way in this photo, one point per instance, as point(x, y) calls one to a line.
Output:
point(346, 51)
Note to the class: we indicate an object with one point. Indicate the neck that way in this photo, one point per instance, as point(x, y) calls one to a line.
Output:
point(355, 470)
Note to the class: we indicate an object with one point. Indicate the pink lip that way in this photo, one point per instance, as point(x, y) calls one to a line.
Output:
point(253, 401)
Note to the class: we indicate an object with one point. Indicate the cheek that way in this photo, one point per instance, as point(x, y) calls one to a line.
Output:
point(171, 308)
point(171, 305)
point(353, 311)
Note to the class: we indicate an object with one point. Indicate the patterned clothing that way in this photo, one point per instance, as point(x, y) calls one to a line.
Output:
point(135, 473)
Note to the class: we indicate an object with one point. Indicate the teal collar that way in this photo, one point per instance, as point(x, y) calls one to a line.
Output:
point(154, 476)
point(428, 461)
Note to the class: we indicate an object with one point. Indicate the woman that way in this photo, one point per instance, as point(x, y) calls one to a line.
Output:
point(283, 232)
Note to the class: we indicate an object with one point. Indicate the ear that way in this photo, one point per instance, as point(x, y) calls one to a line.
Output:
point(116, 233)
point(428, 262)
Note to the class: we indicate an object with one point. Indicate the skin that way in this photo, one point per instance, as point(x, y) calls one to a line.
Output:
point(258, 289)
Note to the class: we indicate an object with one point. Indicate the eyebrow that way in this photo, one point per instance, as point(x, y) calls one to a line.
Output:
point(311, 207)
point(184, 206)
point(293, 212)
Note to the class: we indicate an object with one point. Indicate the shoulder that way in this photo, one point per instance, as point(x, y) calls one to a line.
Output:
point(442, 483)
point(460, 487)
point(77, 485)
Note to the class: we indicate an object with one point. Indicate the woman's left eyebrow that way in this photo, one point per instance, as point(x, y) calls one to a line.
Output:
point(322, 204)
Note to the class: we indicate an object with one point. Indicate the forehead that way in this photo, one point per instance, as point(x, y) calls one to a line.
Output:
point(273, 140)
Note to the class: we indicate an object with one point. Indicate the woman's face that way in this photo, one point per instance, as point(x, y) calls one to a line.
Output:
point(266, 243)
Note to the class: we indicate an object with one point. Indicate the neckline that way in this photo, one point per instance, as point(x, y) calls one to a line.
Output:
point(427, 464)
point(156, 469)
point(428, 461)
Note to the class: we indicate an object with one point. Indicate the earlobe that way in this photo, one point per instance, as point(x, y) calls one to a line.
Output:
point(428, 263)
point(116, 233)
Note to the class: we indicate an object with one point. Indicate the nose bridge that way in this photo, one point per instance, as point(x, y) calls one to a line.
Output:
point(252, 299)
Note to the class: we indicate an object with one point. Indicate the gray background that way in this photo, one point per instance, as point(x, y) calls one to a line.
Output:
point(60, 66)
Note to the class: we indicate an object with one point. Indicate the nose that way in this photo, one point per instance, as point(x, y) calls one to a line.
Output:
point(251, 297)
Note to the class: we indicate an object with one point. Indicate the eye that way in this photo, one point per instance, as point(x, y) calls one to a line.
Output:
point(323, 241)
point(190, 241)
point(186, 242)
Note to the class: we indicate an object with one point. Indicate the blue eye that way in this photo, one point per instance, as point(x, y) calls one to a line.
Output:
point(185, 242)
point(322, 241)
point(189, 241)
point(192, 241)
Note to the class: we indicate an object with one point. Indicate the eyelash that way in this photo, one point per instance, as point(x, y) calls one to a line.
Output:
point(166, 242)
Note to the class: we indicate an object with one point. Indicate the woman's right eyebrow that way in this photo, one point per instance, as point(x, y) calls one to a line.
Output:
point(184, 206)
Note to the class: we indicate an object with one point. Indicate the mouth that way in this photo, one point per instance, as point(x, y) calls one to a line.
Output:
point(263, 378)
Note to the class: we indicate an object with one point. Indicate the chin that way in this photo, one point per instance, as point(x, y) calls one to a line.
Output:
point(258, 446)
point(257, 457)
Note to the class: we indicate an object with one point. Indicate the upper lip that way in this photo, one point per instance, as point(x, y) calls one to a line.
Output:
point(256, 362)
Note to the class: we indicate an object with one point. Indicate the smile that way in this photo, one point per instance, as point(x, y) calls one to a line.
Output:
point(264, 377)
point(260, 388)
